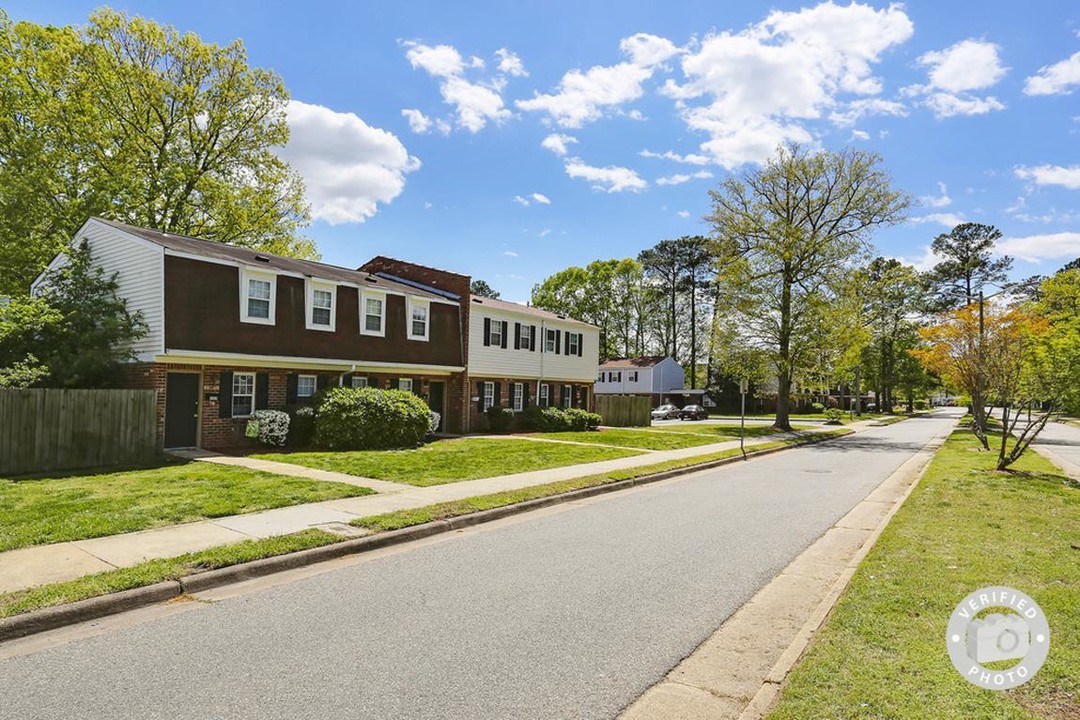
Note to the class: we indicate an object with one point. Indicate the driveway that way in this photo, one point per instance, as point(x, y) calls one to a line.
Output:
point(570, 612)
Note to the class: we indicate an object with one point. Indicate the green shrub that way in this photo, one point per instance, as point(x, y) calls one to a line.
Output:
point(499, 418)
point(582, 419)
point(920, 404)
point(817, 407)
point(834, 415)
point(553, 419)
point(370, 419)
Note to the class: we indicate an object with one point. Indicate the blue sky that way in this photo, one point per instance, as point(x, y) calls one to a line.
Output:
point(510, 140)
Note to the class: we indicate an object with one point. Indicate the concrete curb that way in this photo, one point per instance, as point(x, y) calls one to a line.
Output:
point(766, 696)
point(94, 608)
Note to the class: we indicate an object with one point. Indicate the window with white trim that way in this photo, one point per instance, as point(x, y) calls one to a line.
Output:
point(519, 397)
point(489, 395)
point(372, 313)
point(573, 342)
point(358, 381)
point(632, 377)
point(526, 337)
point(549, 341)
point(320, 304)
point(243, 394)
point(418, 319)
point(257, 297)
point(404, 384)
point(306, 385)
point(600, 377)
point(495, 336)
point(615, 376)
point(543, 396)
point(568, 396)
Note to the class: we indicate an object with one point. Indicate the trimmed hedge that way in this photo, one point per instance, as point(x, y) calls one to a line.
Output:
point(499, 418)
point(552, 419)
point(371, 419)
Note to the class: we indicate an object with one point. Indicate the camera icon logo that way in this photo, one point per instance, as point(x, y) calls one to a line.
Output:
point(993, 625)
point(998, 637)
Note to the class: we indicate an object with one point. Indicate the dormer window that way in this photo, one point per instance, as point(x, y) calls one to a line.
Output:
point(372, 313)
point(419, 311)
point(320, 306)
point(257, 295)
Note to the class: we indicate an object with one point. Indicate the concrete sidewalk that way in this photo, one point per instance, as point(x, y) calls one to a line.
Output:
point(43, 564)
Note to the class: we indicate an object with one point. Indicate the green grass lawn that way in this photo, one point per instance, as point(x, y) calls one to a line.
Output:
point(55, 509)
point(634, 438)
point(447, 461)
point(725, 432)
point(882, 652)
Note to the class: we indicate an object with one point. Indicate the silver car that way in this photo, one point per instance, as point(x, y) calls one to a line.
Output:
point(665, 412)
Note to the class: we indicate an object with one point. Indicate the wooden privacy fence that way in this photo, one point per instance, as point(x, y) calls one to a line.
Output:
point(624, 410)
point(45, 429)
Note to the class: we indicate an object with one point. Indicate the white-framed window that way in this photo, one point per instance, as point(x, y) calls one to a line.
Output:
point(615, 376)
point(519, 397)
point(495, 337)
point(526, 337)
point(404, 384)
point(243, 394)
point(489, 395)
point(567, 396)
point(358, 381)
point(549, 341)
point(632, 377)
point(418, 319)
point(372, 313)
point(600, 377)
point(306, 385)
point(543, 395)
point(258, 297)
point(320, 306)
point(573, 342)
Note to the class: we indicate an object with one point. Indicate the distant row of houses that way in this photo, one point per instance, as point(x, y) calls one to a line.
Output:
point(232, 330)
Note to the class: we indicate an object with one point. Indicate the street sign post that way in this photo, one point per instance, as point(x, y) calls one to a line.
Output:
point(744, 385)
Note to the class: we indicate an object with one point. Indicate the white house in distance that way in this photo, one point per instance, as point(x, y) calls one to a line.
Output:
point(654, 376)
point(520, 356)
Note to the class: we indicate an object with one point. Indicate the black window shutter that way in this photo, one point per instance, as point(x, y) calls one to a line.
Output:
point(574, 396)
point(225, 394)
point(524, 395)
point(480, 396)
point(487, 331)
point(262, 391)
point(498, 394)
point(558, 341)
point(517, 336)
point(562, 395)
point(290, 389)
point(416, 386)
point(321, 381)
point(505, 327)
point(580, 343)
point(532, 337)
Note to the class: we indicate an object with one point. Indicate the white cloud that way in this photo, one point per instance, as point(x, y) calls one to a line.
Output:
point(557, 143)
point(679, 179)
point(1036, 248)
point(475, 103)
point(924, 262)
point(760, 84)
point(585, 96)
point(532, 198)
point(949, 220)
point(1056, 79)
point(1068, 177)
point(860, 135)
point(421, 124)
point(510, 63)
point(953, 73)
point(689, 159)
point(348, 166)
point(683, 213)
point(939, 201)
point(539, 198)
point(545, 232)
point(510, 253)
point(609, 179)
point(851, 112)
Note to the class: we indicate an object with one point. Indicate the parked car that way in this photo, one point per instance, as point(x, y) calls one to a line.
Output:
point(665, 412)
point(693, 412)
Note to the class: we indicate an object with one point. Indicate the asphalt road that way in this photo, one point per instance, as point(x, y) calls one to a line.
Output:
point(569, 613)
point(1062, 439)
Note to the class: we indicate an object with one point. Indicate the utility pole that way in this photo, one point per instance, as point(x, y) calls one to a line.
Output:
point(743, 387)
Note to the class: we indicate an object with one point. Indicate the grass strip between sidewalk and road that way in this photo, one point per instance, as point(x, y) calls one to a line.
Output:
point(455, 508)
point(965, 526)
point(154, 571)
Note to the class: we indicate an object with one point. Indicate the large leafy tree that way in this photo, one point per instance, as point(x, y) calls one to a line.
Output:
point(967, 266)
point(1057, 364)
point(786, 237)
point(75, 332)
point(481, 288)
point(137, 122)
point(893, 294)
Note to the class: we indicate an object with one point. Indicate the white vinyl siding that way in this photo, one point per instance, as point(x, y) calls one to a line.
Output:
point(488, 359)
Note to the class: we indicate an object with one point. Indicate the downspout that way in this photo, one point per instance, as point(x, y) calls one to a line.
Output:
point(341, 376)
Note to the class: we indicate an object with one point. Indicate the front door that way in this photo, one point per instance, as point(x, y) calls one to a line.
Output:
point(436, 393)
point(181, 410)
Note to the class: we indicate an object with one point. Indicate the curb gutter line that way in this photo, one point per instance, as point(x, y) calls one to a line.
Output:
point(51, 618)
